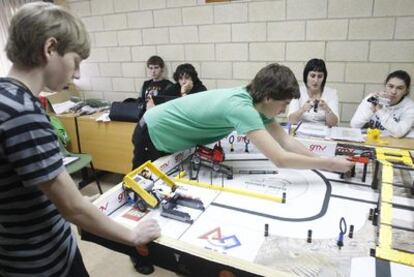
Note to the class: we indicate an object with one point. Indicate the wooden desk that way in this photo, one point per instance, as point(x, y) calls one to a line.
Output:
point(69, 122)
point(391, 142)
point(109, 143)
point(402, 143)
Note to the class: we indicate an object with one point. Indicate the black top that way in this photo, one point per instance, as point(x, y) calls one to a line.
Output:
point(175, 90)
point(153, 88)
point(159, 99)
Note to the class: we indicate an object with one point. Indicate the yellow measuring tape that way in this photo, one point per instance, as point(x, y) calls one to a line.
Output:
point(384, 249)
point(240, 191)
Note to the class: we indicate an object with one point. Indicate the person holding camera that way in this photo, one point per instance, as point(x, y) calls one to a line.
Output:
point(390, 109)
point(317, 103)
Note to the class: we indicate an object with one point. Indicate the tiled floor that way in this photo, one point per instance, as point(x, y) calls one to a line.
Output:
point(101, 261)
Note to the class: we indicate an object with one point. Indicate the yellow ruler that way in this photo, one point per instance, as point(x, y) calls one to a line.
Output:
point(251, 193)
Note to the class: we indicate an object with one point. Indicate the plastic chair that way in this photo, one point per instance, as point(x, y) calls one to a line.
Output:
point(80, 164)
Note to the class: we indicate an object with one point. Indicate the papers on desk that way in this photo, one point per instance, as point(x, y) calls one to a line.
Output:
point(347, 134)
point(104, 117)
point(335, 133)
point(63, 107)
point(313, 130)
point(69, 159)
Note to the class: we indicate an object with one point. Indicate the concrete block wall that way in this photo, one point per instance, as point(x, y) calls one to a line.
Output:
point(361, 41)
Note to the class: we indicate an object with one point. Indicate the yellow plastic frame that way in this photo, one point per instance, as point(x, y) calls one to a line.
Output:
point(384, 249)
point(130, 183)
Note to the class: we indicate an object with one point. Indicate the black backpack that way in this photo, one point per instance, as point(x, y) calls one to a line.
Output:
point(130, 110)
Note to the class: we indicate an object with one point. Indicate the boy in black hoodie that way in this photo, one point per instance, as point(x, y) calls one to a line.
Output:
point(187, 81)
point(157, 83)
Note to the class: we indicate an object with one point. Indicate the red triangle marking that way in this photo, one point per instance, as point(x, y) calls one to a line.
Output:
point(216, 231)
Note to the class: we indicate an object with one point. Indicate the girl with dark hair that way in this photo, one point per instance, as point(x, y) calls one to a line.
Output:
point(317, 103)
point(390, 109)
point(187, 81)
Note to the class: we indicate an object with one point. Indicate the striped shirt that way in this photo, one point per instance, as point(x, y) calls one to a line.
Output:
point(35, 240)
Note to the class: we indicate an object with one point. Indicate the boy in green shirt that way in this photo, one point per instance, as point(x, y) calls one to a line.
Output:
point(209, 116)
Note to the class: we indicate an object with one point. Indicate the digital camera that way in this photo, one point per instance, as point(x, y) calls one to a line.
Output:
point(379, 100)
point(315, 105)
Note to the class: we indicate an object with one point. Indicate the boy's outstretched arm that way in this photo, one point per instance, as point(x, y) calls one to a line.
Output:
point(62, 191)
point(281, 158)
point(289, 143)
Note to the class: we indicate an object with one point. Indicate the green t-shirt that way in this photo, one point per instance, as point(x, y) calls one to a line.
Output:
point(202, 118)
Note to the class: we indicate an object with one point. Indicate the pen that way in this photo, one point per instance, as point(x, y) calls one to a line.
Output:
point(297, 127)
point(288, 127)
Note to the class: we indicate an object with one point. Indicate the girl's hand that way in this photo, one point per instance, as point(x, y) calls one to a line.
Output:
point(324, 106)
point(307, 106)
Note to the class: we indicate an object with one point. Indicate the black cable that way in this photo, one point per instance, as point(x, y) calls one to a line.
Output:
point(342, 231)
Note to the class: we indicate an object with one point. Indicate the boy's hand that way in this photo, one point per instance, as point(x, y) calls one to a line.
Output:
point(187, 87)
point(145, 231)
point(150, 103)
point(340, 164)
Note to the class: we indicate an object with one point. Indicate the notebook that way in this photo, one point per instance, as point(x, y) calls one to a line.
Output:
point(347, 134)
point(312, 129)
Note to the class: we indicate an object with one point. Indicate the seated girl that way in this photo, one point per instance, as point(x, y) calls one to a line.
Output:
point(317, 103)
point(390, 109)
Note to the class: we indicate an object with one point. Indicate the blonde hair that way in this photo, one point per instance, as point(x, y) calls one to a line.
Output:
point(34, 23)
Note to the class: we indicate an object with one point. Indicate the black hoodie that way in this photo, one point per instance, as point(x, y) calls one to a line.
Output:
point(175, 90)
